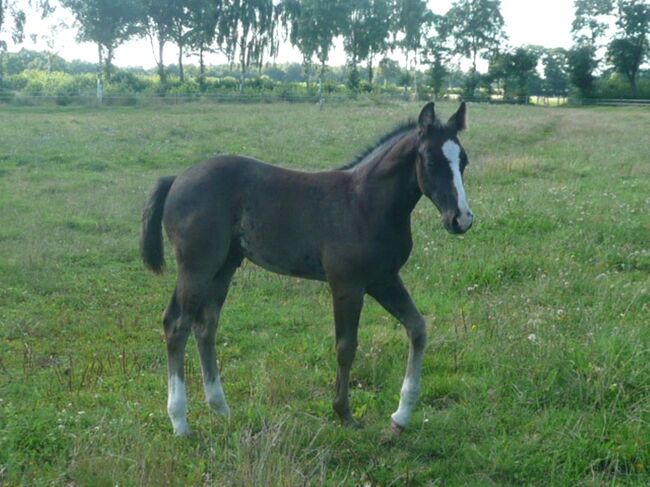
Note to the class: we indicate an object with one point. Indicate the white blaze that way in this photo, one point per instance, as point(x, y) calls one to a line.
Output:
point(177, 405)
point(451, 150)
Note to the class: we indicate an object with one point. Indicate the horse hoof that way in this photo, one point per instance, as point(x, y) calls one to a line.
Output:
point(352, 423)
point(182, 432)
point(355, 425)
point(396, 428)
point(221, 409)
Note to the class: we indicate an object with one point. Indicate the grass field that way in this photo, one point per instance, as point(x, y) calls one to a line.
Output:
point(537, 370)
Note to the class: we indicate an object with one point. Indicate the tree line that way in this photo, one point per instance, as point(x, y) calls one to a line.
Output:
point(250, 33)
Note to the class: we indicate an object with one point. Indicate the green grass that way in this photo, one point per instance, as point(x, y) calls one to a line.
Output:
point(537, 370)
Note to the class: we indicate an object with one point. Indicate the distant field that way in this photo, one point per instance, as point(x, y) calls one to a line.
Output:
point(538, 365)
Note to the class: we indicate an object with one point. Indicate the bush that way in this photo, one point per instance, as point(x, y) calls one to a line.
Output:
point(126, 82)
point(186, 88)
point(229, 83)
point(617, 86)
point(262, 83)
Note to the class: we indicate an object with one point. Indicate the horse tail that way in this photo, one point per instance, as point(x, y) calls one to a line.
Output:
point(151, 240)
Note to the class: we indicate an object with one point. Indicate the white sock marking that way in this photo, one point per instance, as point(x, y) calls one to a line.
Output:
point(410, 391)
point(408, 399)
point(451, 150)
point(177, 405)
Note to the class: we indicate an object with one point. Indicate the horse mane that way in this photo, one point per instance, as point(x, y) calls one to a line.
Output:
point(399, 129)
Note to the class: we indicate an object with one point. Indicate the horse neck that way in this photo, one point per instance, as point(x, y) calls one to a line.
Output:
point(390, 182)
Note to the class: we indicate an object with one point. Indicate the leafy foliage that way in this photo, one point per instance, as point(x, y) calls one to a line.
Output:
point(591, 20)
point(246, 30)
point(556, 77)
point(582, 63)
point(313, 25)
point(515, 69)
point(249, 33)
point(366, 31)
point(107, 23)
point(630, 47)
point(476, 28)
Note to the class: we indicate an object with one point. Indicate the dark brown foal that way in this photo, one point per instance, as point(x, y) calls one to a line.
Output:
point(350, 227)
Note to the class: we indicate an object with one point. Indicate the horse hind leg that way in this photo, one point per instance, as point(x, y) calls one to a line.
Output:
point(205, 332)
point(177, 329)
point(184, 311)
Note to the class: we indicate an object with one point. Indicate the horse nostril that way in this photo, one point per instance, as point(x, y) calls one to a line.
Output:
point(455, 224)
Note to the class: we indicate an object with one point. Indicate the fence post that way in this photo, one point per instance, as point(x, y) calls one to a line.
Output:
point(100, 90)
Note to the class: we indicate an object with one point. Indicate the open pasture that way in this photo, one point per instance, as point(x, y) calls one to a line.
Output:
point(537, 369)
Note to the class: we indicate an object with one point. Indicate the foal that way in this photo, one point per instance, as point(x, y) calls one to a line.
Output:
point(350, 227)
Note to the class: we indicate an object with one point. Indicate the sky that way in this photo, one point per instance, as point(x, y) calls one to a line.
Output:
point(539, 22)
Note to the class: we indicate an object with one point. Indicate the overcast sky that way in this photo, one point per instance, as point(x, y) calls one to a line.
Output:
point(541, 22)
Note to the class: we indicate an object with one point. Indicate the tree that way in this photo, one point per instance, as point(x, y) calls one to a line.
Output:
point(437, 56)
point(556, 78)
point(438, 72)
point(247, 30)
point(202, 23)
point(591, 21)
point(8, 8)
point(366, 32)
point(51, 36)
point(630, 47)
point(412, 19)
point(107, 23)
point(313, 25)
point(590, 24)
point(582, 63)
point(160, 20)
point(476, 29)
point(377, 31)
point(389, 71)
point(180, 29)
point(516, 69)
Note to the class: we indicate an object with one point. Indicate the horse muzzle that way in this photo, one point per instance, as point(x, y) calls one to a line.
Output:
point(458, 223)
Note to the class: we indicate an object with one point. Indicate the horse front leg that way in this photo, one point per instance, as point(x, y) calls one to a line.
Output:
point(348, 301)
point(394, 297)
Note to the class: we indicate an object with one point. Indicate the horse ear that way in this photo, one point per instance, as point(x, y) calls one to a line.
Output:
point(459, 119)
point(427, 117)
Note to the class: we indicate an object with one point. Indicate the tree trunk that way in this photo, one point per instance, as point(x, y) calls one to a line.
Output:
point(635, 88)
point(201, 68)
point(100, 84)
point(242, 63)
point(161, 64)
point(181, 73)
point(108, 64)
point(370, 72)
point(473, 74)
point(306, 63)
point(416, 92)
point(406, 89)
point(321, 73)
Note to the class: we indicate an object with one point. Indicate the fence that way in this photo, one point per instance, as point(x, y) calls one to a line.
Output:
point(146, 99)
point(610, 102)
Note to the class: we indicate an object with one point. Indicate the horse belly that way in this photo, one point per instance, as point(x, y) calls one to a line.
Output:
point(282, 254)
